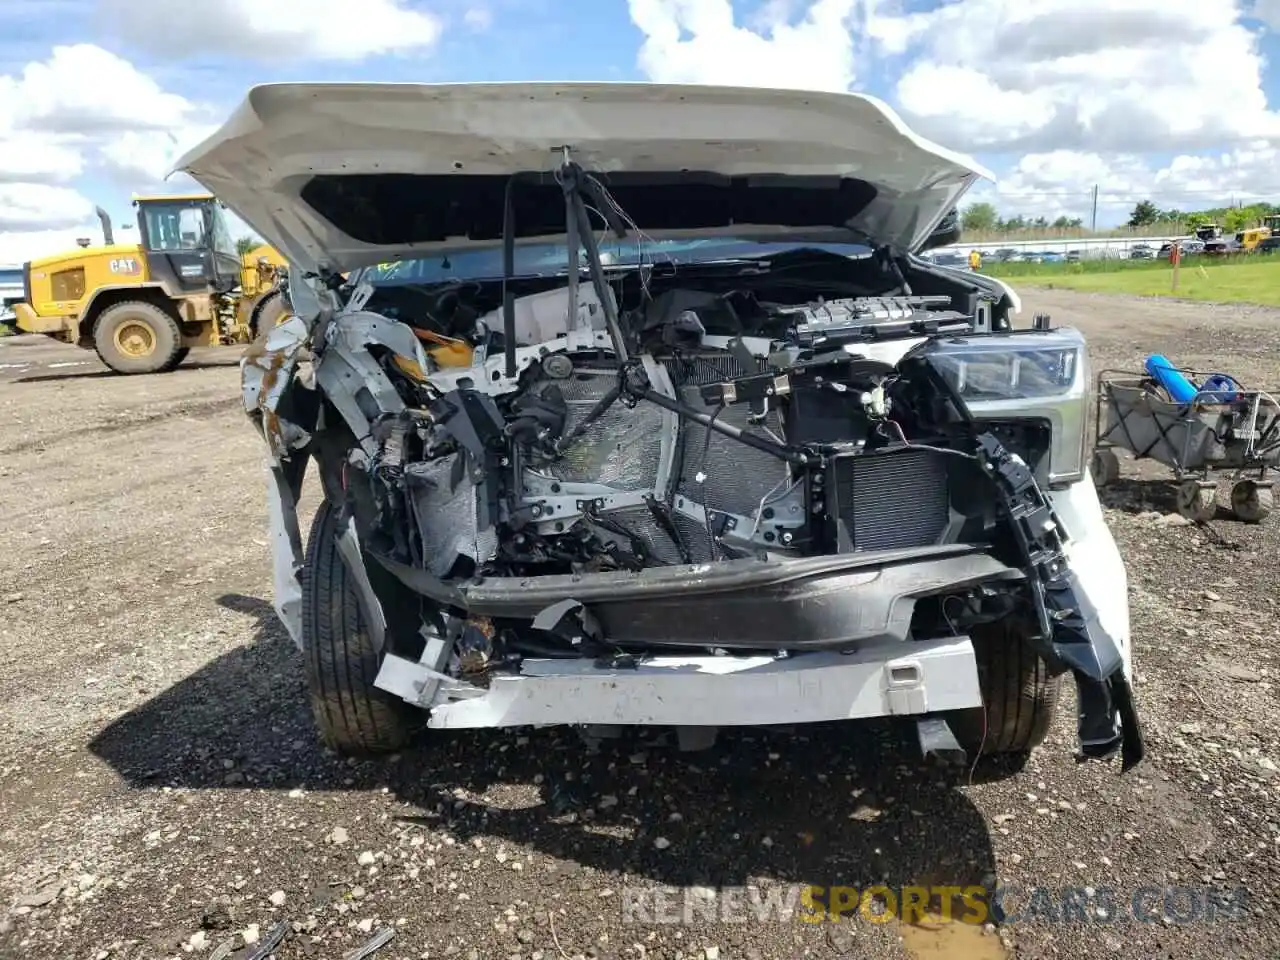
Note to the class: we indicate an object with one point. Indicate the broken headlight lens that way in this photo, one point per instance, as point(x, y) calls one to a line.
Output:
point(1040, 375)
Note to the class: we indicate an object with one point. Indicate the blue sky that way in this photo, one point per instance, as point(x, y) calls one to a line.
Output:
point(1169, 99)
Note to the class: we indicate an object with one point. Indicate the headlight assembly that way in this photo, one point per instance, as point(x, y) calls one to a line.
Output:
point(1041, 375)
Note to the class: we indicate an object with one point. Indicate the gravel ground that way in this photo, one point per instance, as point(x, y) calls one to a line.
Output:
point(162, 792)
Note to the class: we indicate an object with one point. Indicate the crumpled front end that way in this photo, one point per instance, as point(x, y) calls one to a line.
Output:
point(767, 489)
point(577, 571)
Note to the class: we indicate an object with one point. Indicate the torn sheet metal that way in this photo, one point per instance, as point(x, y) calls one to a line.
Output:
point(347, 369)
point(271, 372)
point(267, 373)
point(286, 553)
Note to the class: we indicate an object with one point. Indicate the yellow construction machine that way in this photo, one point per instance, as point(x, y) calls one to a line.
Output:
point(144, 306)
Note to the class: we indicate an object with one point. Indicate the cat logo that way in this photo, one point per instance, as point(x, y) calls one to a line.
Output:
point(128, 266)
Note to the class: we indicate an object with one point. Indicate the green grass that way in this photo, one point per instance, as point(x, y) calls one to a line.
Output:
point(1200, 278)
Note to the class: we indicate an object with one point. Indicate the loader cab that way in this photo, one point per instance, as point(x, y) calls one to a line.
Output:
point(187, 243)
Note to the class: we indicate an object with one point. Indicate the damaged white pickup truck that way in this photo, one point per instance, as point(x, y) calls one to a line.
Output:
point(636, 404)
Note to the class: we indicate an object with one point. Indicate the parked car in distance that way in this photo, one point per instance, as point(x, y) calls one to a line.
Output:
point(1190, 248)
point(1223, 247)
point(1009, 255)
point(1074, 256)
point(949, 259)
point(1053, 256)
point(1142, 251)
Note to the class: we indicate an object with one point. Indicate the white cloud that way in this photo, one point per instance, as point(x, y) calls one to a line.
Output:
point(1079, 91)
point(82, 90)
point(478, 18)
point(1268, 11)
point(25, 158)
point(83, 110)
point(1061, 182)
point(278, 31)
point(149, 155)
point(699, 41)
point(1107, 75)
point(85, 103)
point(29, 206)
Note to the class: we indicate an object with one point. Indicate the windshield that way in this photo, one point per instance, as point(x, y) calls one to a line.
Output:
point(175, 226)
point(551, 259)
point(221, 233)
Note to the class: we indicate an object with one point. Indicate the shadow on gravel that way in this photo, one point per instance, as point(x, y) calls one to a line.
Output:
point(1144, 496)
point(1140, 496)
point(109, 374)
point(837, 804)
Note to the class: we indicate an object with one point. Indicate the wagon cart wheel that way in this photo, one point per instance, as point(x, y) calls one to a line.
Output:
point(1197, 501)
point(1251, 500)
point(1105, 467)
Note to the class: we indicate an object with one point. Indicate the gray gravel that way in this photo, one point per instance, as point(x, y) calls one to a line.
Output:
point(162, 793)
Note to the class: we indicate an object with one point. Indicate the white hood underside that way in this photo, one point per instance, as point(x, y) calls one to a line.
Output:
point(285, 134)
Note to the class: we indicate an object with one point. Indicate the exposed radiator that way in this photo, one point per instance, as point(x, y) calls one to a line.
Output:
point(621, 448)
point(736, 476)
point(890, 501)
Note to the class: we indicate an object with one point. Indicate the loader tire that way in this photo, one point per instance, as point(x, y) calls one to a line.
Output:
point(354, 716)
point(137, 337)
point(1019, 694)
point(178, 358)
point(267, 312)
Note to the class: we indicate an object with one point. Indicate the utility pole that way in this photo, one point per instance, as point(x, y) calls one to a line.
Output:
point(1093, 220)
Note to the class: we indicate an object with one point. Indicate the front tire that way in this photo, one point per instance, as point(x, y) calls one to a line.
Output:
point(1020, 697)
point(354, 716)
point(137, 337)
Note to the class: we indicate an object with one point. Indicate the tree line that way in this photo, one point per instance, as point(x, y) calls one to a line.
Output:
point(985, 218)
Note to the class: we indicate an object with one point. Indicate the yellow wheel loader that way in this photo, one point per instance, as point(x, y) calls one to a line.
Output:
point(143, 306)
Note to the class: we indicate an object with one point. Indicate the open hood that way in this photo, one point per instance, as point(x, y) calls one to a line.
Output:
point(342, 175)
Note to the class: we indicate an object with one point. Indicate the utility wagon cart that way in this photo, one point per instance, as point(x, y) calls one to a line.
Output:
point(1225, 427)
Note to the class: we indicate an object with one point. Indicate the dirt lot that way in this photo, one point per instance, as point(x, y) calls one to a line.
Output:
point(162, 793)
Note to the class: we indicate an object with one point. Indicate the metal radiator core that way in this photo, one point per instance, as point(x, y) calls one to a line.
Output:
point(890, 501)
point(735, 476)
point(620, 449)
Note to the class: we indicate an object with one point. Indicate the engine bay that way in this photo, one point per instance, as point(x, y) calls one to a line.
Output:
point(737, 408)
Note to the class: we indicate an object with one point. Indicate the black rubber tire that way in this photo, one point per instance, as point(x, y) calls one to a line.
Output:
point(267, 312)
point(163, 327)
point(354, 716)
point(178, 358)
point(1021, 697)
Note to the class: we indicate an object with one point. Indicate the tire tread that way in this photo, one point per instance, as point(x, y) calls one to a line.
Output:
point(353, 715)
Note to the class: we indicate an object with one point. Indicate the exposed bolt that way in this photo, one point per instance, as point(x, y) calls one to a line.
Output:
point(787, 538)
